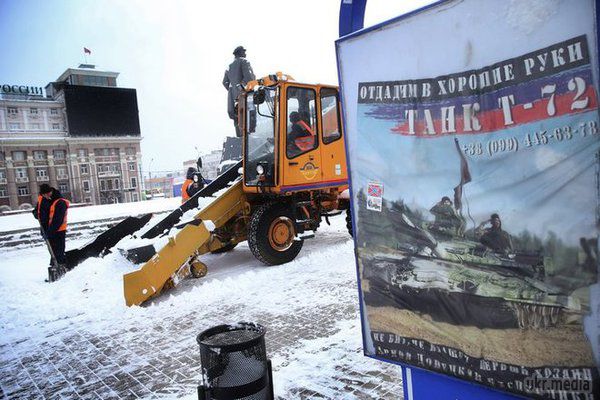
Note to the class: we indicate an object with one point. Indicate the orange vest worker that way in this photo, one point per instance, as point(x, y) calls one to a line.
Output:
point(63, 226)
point(184, 194)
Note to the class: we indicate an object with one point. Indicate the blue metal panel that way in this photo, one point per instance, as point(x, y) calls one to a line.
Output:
point(419, 384)
point(352, 16)
point(177, 190)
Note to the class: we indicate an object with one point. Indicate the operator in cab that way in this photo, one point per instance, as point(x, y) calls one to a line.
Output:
point(301, 137)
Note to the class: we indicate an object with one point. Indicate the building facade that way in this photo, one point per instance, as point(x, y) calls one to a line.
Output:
point(160, 186)
point(37, 146)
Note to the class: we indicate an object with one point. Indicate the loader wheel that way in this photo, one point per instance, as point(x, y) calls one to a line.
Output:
point(198, 269)
point(349, 221)
point(271, 234)
point(224, 249)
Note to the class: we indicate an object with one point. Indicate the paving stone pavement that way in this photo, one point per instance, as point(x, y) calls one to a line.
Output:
point(164, 361)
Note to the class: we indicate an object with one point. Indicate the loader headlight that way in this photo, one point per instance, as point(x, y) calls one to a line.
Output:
point(260, 169)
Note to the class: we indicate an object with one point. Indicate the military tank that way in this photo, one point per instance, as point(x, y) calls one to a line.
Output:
point(458, 280)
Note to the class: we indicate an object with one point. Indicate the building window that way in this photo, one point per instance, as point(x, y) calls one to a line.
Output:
point(33, 110)
point(130, 151)
point(41, 172)
point(61, 172)
point(83, 168)
point(88, 200)
point(94, 80)
point(54, 111)
point(3, 192)
point(36, 127)
point(21, 172)
point(14, 126)
point(40, 155)
point(131, 166)
point(59, 154)
point(55, 127)
point(12, 111)
point(133, 182)
point(23, 190)
point(116, 183)
point(1, 156)
point(2, 174)
point(63, 187)
point(18, 155)
point(102, 185)
point(135, 197)
point(82, 152)
point(86, 186)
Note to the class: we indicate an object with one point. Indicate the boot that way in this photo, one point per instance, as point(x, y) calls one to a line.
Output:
point(62, 270)
point(52, 274)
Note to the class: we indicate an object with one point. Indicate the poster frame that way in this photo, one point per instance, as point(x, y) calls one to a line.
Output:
point(351, 20)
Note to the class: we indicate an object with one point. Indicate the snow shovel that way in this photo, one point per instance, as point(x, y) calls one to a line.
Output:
point(55, 271)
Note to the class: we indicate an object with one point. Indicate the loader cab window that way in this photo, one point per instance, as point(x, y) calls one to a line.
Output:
point(301, 121)
point(330, 115)
point(260, 138)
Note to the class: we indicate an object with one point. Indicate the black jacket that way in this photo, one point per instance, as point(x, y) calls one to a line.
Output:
point(59, 213)
point(44, 213)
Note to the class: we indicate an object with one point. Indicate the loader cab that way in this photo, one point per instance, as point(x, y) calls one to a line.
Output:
point(293, 138)
point(260, 137)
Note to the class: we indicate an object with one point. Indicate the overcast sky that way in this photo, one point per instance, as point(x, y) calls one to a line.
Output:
point(174, 53)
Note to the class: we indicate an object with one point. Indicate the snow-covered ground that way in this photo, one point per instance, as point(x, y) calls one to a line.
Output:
point(309, 306)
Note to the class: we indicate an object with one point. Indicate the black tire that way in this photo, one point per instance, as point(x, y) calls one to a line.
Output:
point(262, 238)
point(349, 221)
point(225, 249)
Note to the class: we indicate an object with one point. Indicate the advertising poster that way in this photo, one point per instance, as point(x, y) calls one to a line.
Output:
point(479, 260)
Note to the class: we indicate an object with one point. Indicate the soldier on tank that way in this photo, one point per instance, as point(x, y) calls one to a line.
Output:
point(236, 77)
point(495, 237)
point(447, 219)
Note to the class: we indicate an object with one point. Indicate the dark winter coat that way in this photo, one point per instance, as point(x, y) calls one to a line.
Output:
point(237, 75)
point(44, 213)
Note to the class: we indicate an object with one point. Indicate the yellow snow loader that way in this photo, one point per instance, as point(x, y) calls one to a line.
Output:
point(292, 176)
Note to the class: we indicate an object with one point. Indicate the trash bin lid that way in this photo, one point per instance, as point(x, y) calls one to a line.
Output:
point(232, 337)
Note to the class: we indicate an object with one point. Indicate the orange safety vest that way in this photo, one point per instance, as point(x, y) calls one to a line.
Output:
point(184, 193)
point(63, 226)
point(305, 143)
point(39, 204)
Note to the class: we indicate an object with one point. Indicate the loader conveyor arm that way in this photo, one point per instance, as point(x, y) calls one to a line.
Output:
point(173, 218)
point(191, 241)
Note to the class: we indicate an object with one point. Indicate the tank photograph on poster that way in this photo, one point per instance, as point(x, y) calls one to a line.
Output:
point(477, 242)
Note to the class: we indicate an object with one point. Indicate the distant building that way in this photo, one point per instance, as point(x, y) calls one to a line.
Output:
point(159, 187)
point(210, 164)
point(82, 137)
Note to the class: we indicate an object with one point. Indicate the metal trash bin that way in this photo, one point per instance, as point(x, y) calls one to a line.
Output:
point(234, 363)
